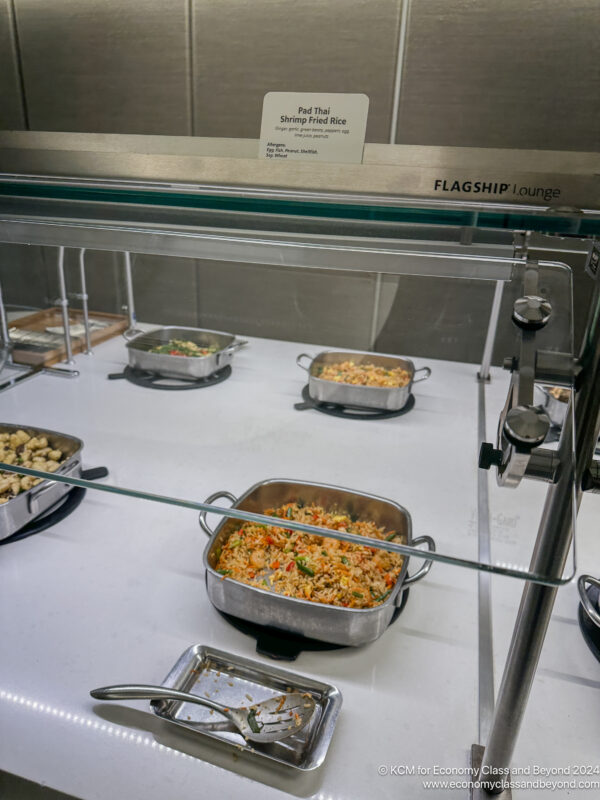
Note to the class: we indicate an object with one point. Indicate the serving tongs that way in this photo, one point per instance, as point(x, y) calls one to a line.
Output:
point(267, 721)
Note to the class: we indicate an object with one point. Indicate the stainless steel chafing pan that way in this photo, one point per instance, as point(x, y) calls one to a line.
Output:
point(186, 367)
point(345, 626)
point(347, 394)
point(28, 505)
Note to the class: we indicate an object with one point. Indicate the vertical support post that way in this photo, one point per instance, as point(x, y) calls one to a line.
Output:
point(375, 312)
point(549, 557)
point(404, 14)
point(84, 302)
point(484, 587)
point(4, 335)
point(64, 304)
point(5, 342)
point(486, 359)
point(131, 330)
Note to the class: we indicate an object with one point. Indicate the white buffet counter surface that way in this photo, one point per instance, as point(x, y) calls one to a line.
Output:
point(115, 593)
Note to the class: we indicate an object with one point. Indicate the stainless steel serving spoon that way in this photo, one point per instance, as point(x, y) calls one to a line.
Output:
point(267, 721)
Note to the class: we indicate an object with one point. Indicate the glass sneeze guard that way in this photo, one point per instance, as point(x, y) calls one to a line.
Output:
point(378, 459)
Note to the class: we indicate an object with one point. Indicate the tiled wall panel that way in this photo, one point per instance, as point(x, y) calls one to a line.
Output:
point(502, 73)
point(24, 276)
point(106, 66)
point(244, 49)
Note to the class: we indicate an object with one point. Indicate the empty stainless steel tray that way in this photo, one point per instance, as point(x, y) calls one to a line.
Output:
point(238, 681)
point(385, 398)
point(183, 367)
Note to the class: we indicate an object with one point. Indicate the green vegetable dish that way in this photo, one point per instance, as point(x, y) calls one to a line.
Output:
point(180, 347)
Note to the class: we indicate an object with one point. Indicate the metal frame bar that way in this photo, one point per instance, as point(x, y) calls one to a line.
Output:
point(84, 302)
point(486, 359)
point(403, 28)
point(63, 302)
point(484, 585)
point(391, 256)
point(231, 167)
point(132, 330)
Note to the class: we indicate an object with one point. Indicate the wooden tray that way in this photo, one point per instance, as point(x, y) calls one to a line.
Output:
point(36, 354)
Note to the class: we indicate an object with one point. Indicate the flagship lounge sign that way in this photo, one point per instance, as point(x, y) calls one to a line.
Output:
point(498, 188)
point(302, 126)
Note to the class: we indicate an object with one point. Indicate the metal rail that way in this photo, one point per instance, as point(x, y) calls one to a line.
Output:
point(84, 302)
point(132, 330)
point(397, 257)
point(484, 585)
point(64, 305)
point(486, 360)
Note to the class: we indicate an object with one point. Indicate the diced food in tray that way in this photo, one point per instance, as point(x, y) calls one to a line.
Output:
point(312, 567)
point(365, 374)
point(560, 393)
point(33, 452)
point(181, 347)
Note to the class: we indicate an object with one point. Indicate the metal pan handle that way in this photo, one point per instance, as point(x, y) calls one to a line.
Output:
point(426, 566)
point(131, 333)
point(230, 349)
point(211, 499)
point(427, 372)
point(33, 499)
point(299, 360)
point(236, 345)
point(585, 600)
point(34, 495)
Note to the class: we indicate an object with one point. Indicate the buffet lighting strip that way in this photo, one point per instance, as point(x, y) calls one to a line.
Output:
point(89, 723)
point(264, 519)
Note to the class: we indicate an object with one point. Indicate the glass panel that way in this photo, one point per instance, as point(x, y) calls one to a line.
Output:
point(264, 419)
point(432, 213)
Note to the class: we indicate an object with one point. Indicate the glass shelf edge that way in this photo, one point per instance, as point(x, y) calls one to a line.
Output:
point(263, 519)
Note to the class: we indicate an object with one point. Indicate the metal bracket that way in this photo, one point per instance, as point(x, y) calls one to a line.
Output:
point(523, 426)
point(479, 793)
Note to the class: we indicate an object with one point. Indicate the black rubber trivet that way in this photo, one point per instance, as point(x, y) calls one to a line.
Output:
point(590, 631)
point(351, 412)
point(152, 380)
point(284, 646)
point(60, 510)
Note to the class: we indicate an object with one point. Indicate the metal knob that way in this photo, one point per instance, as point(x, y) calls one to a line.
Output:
point(489, 456)
point(526, 426)
point(531, 312)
